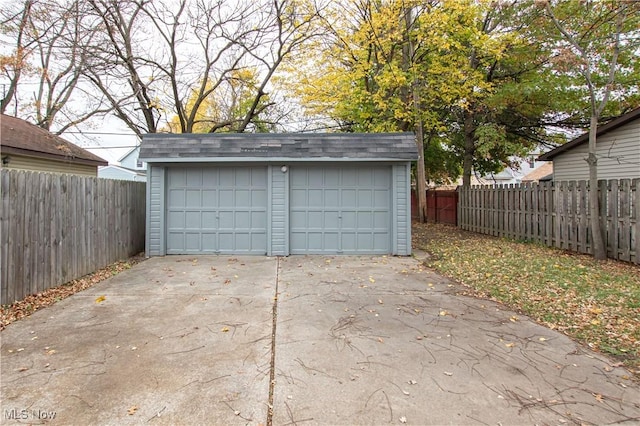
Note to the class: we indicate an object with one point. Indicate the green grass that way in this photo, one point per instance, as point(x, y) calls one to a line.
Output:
point(596, 303)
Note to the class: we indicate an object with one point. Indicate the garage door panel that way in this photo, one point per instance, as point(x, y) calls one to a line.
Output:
point(365, 178)
point(349, 177)
point(258, 220)
point(176, 198)
point(332, 198)
point(208, 220)
point(226, 177)
point(298, 219)
point(259, 198)
point(365, 220)
point(192, 219)
point(365, 198)
point(381, 220)
point(348, 198)
point(381, 199)
point(209, 198)
point(225, 220)
point(209, 242)
point(217, 210)
point(340, 210)
point(194, 178)
point(192, 241)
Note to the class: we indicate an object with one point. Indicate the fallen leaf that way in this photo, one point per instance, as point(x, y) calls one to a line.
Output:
point(131, 411)
point(21, 369)
point(380, 340)
point(598, 397)
point(447, 373)
point(510, 345)
point(412, 382)
point(225, 329)
point(101, 299)
point(371, 280)
point(380, 301)
point(443, 313)
point(542, 339)
point(513, 318)
point(403, 419)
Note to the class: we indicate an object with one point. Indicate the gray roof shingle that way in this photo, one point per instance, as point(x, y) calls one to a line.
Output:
point(159, 147)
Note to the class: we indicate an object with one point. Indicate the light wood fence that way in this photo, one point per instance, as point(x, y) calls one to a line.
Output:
point(556, 214)
point(56, 228)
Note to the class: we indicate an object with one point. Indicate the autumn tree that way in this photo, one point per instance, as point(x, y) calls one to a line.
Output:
point(397, 66)
point(596, 43)
point(50, 40)
point(171, 61)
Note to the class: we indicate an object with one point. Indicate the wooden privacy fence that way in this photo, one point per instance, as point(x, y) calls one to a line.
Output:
point(556, 214)
point(56, 228)
point(442, 206)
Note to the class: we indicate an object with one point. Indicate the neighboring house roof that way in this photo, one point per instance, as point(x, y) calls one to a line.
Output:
point(131, 151)
point(542, 173)
point(118, 172)
point(19, 137)
point(271, 146)
point(584, 138)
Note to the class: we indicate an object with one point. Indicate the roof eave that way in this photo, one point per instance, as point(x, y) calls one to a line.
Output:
point(271, 159)
point(37, 154)
point(606, 128)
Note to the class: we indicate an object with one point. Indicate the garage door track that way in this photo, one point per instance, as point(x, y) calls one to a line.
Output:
point(298, 340)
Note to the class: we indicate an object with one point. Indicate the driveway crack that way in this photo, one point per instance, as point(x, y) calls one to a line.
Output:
point(272, 372)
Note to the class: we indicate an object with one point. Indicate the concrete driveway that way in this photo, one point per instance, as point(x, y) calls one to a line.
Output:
point(298, 340)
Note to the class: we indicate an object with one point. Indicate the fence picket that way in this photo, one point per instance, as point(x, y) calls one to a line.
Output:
point(557, 214)
point(56, 228)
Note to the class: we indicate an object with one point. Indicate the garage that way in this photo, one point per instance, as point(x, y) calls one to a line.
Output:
point(278, 194)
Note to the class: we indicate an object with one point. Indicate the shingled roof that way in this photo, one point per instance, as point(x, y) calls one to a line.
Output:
point(194, 147)
point(19, 137)
point(584, 138)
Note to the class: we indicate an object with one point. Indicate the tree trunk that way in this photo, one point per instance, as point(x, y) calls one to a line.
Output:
point(469, 148)
point(421, 184)
point(597, 239)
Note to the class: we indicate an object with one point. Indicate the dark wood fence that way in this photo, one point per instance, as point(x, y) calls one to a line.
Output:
point(556, 214)
point(56, 228)
point(442, 206)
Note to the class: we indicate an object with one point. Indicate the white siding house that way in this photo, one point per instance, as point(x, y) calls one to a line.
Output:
point(131, 160)
point(617, 149)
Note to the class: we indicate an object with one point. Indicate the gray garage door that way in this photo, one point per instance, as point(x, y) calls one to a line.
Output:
point(217, 210)
point(340, 210)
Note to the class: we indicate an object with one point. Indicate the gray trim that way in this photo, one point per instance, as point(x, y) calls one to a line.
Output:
point(408, 208)
point(269, 210)
point(168, 160)
point(163, 212)
point(394, 210)
point(147, 234)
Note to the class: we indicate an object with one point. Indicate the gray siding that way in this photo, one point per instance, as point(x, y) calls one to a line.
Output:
point(279, 212)
point(155, 211)
point(618, 156)
point(402, 209)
